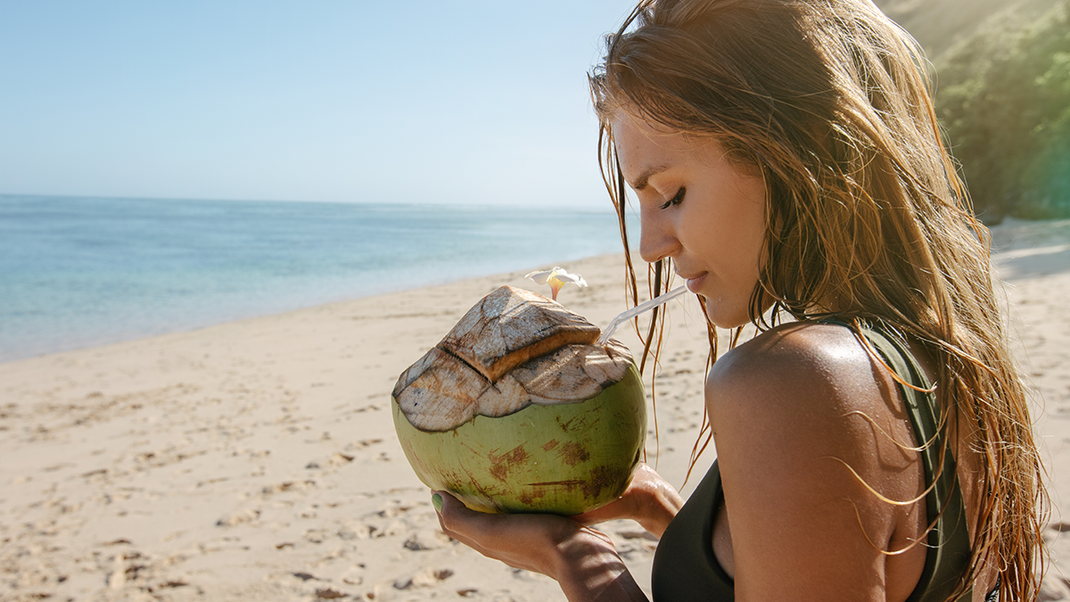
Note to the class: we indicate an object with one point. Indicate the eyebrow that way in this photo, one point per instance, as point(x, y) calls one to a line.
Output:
point(644, 177)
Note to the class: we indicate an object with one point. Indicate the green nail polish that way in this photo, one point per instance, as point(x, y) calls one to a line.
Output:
point(436, 501)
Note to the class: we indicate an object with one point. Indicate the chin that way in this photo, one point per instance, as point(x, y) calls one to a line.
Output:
point(725, 320)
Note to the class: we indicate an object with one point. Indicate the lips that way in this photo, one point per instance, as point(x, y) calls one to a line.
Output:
point(694, 282)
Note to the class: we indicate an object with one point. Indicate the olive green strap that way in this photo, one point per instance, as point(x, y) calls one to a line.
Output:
point(948, 541)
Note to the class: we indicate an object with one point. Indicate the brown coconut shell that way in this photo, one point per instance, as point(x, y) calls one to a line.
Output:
point(512, 349)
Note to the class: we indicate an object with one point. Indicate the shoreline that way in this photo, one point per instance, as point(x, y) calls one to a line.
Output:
point(121, 339)
point(1013, 236)
point(79, 273)
point(258, 457)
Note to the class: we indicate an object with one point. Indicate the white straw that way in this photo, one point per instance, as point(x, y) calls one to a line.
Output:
point(638, 309)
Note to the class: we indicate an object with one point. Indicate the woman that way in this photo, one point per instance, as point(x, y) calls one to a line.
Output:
point(873, 441)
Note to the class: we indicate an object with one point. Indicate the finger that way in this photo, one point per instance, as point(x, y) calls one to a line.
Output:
point(444, 504)
point(618, 508)
point(453, 515)
point(517, 540)
point(477, 530)
point(447, 508)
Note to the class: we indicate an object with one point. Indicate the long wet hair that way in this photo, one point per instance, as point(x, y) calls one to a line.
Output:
point(866, 218)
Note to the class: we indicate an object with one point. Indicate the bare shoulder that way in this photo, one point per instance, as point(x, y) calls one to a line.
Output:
point(811, 443)
point(796, 371)
point(808, 391)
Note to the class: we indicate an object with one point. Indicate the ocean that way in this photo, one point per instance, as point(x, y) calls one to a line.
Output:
point(80, 272)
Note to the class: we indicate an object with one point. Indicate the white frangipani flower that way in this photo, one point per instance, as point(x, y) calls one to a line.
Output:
point(556, 278)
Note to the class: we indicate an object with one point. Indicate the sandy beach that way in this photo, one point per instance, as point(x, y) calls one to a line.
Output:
point(257, 459)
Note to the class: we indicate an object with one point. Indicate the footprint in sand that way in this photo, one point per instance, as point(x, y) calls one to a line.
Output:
point(354, 576)
point(335, 461)
point(393, 510)
point(363, 444)
point(300, 486)
point(425, 579)
point(245, 515)
point(355, 530)
point(426, 539)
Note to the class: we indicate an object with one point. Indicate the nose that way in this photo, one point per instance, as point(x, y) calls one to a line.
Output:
point(657, 238)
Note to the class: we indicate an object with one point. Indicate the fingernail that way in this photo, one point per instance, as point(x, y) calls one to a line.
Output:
point(436, 501)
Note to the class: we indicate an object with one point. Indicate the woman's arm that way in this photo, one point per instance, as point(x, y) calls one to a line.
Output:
point(582, 560)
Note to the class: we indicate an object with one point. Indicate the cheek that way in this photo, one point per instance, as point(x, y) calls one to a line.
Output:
point(733, 240)
point(756, 235)
point(751, 230)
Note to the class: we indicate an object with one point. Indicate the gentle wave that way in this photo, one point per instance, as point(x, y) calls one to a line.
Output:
point(77, 272)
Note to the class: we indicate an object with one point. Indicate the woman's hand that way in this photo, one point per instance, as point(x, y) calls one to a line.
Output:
point(582, 560)
point(649, 500)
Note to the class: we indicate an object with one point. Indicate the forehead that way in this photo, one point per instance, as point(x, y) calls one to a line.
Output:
point(636, 139)
point(636, 132)
point(644, 148)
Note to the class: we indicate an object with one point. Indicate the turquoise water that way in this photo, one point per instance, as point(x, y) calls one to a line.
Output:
point(77, 272)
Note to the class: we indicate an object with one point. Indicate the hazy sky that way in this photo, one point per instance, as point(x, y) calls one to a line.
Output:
point(429, 101)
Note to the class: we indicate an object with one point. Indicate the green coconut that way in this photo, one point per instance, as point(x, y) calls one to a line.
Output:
point(518, 410)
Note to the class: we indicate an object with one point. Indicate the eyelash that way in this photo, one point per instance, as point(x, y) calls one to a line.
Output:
point(676, 200)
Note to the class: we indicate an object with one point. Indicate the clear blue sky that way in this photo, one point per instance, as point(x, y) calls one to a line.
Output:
point(427, 101)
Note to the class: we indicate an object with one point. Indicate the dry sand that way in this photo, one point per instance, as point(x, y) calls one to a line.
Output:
point(257, 459)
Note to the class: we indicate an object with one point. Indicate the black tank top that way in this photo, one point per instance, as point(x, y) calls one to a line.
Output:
point(686, 569)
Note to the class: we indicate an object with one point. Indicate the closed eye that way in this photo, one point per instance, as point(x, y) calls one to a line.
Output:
point(676, 199)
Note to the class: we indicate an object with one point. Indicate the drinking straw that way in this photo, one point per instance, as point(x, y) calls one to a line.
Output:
point(638, 309)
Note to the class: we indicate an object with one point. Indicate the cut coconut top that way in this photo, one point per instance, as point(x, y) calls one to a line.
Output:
point(511, 326)
point(512, 349)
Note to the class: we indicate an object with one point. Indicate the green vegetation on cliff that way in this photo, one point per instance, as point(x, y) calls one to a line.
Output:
point(1003, 97)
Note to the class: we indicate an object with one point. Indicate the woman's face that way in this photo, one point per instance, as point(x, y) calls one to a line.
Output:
point(697, 208)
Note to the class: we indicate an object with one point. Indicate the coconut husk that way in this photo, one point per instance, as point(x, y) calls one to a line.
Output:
point(512, 349)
